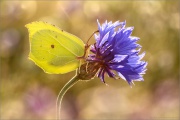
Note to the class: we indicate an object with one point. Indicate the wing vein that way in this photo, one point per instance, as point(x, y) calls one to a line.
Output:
point(62, 45)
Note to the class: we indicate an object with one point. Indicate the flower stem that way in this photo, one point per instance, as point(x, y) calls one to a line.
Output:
point(67, 86)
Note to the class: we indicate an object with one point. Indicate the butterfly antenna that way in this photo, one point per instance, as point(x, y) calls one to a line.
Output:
point(87, 45)
point(91, 37)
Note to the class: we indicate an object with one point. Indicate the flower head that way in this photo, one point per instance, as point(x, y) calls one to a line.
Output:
point(116, 51)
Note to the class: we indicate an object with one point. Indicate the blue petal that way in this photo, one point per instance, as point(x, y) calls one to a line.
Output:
point(119, 58)
point(104, 39)
point(117, 51)
point(99, 26)
point(110, 73)
point(101, 74)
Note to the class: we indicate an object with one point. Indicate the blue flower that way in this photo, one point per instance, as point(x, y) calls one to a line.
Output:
point(117, 53)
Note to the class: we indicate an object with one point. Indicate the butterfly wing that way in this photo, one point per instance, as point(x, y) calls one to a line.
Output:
point(52, 49)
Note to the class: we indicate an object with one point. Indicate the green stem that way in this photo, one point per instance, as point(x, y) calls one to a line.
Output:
point(62, 92)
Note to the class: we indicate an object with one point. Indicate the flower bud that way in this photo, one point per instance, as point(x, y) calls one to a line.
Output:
point(88, 70)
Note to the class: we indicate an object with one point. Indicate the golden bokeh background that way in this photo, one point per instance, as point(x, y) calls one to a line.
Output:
point(26, 92)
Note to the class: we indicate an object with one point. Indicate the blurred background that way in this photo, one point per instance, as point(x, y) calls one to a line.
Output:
point(26, 92)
